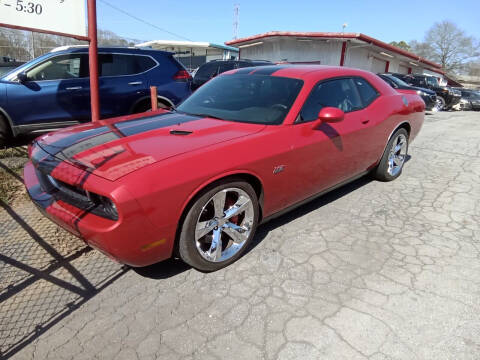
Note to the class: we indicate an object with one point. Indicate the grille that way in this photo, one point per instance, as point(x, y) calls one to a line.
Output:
point(77, 197)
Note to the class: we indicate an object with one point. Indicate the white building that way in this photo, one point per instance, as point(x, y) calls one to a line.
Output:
point(340, 49)
point(192, 54)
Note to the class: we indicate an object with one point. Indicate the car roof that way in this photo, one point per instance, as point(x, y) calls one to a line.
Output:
point(302, 71)
point(110, 49)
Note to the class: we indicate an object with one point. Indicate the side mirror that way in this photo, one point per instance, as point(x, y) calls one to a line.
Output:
point(329, 115)
point(22, 77)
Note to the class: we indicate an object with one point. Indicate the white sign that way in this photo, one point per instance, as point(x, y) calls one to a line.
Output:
point(62, 16)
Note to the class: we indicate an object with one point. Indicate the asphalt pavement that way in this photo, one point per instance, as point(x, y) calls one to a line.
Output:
point(370, 271)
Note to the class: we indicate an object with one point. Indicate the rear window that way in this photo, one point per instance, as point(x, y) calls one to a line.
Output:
point(206, 71)
point(120, 65)
point(145, 63)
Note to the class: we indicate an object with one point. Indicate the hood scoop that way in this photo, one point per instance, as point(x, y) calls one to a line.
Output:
point(180, 132)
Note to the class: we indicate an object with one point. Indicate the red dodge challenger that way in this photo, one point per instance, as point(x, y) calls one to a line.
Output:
point(198, 180)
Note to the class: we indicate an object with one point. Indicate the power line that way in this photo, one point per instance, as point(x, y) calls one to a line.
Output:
point(144, 21)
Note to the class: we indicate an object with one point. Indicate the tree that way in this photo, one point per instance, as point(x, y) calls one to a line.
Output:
point(23, 45)
point(401, 44)
point(448, 45)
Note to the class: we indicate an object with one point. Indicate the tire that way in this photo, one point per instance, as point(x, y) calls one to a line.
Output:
point(439, 104)
point(208, 222)
point(393, 159)
point(4, 132)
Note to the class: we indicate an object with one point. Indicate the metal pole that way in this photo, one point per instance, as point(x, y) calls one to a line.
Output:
point(154, 97)
point(93, 60)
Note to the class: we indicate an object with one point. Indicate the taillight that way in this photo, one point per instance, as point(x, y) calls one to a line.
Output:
point(182, 75)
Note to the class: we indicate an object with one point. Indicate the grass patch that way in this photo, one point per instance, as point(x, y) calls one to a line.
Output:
point(12, 161)
point(14, 152)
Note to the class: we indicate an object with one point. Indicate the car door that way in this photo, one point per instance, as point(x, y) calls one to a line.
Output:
point(56, 91)
point(332, 152)
point(121, 83)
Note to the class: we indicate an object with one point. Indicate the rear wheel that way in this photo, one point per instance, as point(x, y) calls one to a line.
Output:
point(219, 225)
point(4, 132)
point(393, 159)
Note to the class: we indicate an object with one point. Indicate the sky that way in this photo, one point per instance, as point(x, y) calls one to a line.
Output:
point(212, 20)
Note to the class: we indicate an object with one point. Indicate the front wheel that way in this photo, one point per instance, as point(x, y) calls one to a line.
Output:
point(393, 159)
point(219, 225)
point(439, 104)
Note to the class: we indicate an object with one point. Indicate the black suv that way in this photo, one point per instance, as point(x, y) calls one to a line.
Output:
point(445, 94)
point(428, 96)
point(213, 68)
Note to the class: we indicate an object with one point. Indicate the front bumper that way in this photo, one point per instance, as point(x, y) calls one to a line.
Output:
point(132, 239)
point(429, 101)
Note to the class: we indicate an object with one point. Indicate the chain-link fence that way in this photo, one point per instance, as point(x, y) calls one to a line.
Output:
point(45, 273)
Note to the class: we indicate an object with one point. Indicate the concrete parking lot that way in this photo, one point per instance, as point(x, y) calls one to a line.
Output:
point(370, 271)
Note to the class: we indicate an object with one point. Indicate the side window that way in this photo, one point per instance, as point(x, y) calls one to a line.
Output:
point(226, 67)
point(117, 65)
point(367, 91)
point(144, 63)
point(57, 68)
point(340, 93)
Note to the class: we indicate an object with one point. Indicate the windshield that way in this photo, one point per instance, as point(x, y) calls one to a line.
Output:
point(244, 98)
point(10, 75)
point(397, 81)
point(432, 81)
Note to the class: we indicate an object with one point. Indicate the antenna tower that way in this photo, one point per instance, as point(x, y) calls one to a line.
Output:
point(236, 20)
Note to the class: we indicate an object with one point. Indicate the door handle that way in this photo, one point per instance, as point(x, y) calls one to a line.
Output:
point(364, 122)
point(135, 83)
point(74, 88)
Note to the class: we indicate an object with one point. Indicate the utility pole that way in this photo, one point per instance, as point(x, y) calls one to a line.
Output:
point(236, 20)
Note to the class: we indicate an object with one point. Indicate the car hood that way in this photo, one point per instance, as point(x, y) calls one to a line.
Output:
point(427, 91)
point(112, 149)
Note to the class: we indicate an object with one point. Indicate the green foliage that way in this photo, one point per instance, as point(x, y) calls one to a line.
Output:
point(401, 44)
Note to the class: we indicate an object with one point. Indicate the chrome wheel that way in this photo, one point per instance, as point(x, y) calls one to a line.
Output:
point(224, 224)
point(439, 104)
point(397, 155)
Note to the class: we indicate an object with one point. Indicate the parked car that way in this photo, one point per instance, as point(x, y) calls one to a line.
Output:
point(243, 148)
point(470, 99)
point(215, 67)
point(427, 95)
point(53, 91)
point(447, 96)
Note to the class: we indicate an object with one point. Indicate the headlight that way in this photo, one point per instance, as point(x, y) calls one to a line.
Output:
point(421, 93)
point(109, 207)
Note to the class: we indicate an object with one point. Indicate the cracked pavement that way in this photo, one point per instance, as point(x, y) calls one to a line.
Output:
point(370, 271)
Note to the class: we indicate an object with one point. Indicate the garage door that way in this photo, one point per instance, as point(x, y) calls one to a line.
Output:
point(402, 69)
point(378, 65)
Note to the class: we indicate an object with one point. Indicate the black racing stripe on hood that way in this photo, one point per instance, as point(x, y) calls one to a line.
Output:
point(77, 137)
point(268, 70)
point(134, 127)
point(79, 144)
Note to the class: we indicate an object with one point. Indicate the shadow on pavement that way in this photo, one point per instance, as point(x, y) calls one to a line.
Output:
point(302, 210)
point(163, 270)
point(45, 274)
